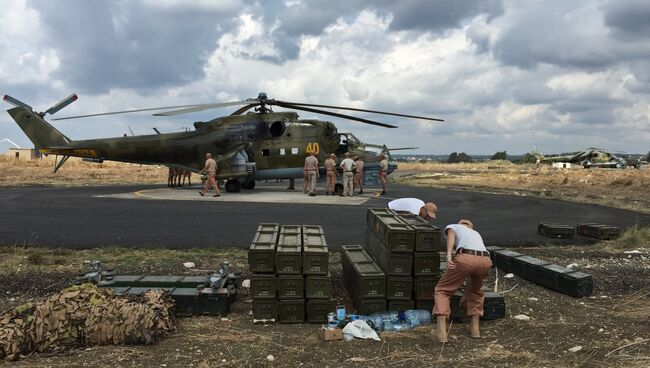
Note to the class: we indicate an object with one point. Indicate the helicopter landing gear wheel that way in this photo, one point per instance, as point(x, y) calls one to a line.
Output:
point(233, 186)
point(248, 184)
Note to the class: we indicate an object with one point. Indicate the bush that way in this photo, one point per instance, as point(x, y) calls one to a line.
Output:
point(458, 157)
point(501, 155)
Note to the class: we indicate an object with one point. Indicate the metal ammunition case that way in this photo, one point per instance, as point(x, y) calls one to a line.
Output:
point(186, 301)
point(265, 309)
point(360, 272)
point(424, 304)
point(426, 264)
point(315, 256)
point(576, 284)
point(263, 286)
point(505, 259)
point(159, 281)
point(261, 254)
point(599, 231)
point(556, 230)
point(428, 238)
point(399, 288)
point(530, 268)
point(425, 287)
point(318, 287)
point(291, 311)
point(288, 256)
point(369, 306)
point(393, 264)
point(290, 287)
point(317, 310)
point(394, 233)
point(401, 305)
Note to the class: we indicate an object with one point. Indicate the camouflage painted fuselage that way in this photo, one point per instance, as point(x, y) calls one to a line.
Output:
point(253, 146)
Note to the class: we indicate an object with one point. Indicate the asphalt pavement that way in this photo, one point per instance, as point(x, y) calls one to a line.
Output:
point(89, 217)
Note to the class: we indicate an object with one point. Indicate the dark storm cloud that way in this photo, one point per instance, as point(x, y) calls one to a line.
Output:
point(104, 45)
point(629, 19)
point(311, 17)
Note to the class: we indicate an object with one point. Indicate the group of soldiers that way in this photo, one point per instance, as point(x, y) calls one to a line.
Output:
point(176, 177)
point(352, 171)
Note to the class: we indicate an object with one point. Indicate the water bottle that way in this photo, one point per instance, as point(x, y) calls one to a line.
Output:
point(402, 326)
point(389, 325)
point(417, 317)
point(376, 322)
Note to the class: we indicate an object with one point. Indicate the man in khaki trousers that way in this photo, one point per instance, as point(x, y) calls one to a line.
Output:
point(348, 176)
point(472, 263)
point(311, 169)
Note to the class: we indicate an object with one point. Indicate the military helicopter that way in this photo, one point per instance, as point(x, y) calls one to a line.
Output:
point(588, 158)
point(247, 145)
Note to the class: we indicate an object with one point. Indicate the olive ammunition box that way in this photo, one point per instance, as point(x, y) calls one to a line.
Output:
point(505, 259)
point(492, 249)
point(263, 286)
point(530, 268)
point(424, 287)
point(360, 272)
point(576, 284)
point(194, 281)
point(125, 280)
point(318, 287)
point(426, 264)
point(373, 213)
point(159, 281)
point(261, 253)
point(288, 255)
point(556, 230)
point(315, 255)
point(428, 238)
point(214, 302)
point(291, 311)
point(369, 306)
point(552, 275)
point(394, 233)
point(494, 306)
point(317, 310)
point(599, 231)
point(424, 304)
point(265, 309)
point(393, 264)
point(399, 288)
point(290, 287)
point(400, 305)
point(186, 301)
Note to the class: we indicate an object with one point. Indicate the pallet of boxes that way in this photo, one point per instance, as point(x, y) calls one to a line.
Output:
point(290, 280)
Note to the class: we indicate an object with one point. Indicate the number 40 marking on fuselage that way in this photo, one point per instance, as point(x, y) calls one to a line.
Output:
point(313, 147)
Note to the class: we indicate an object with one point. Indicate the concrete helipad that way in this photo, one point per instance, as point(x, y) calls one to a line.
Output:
point(267, 195)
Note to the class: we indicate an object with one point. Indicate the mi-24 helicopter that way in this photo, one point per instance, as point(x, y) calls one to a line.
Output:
point(247, 146)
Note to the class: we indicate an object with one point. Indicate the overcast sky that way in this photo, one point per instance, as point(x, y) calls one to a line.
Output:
point(559, 75)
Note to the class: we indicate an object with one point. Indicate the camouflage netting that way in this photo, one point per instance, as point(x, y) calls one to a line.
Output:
point(84, 316)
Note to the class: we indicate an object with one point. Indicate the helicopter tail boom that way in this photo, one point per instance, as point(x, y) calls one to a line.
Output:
point(39, 131)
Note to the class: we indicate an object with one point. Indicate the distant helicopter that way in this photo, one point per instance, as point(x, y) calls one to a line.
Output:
point(247, 147)
point(588, 158)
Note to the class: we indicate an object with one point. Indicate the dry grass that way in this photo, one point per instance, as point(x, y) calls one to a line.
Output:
point(20, 260)
point(76, 172)
point(626, 189)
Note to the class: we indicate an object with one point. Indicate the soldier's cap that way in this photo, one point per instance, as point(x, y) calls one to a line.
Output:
point(468, 223)
point(332, 155)
point(431, 209)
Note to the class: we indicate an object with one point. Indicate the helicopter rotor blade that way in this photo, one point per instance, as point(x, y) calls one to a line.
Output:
point(203, 107)
point(343, 116)
point(361, 110)
point(403, 148)
point(124, 112)
point(244, 109)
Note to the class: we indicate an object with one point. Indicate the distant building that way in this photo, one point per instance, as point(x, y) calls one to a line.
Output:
point(25, 154)
point(561, 165)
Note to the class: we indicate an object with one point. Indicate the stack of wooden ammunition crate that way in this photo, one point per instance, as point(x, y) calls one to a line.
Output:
point(290, 263)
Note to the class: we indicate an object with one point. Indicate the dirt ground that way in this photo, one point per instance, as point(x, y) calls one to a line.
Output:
point(612, 327)
point(620, 188)
point(609, 329)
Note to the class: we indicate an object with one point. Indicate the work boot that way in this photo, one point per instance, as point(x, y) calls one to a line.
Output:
point(361, 191)
point(473, 327)
point(441, 328)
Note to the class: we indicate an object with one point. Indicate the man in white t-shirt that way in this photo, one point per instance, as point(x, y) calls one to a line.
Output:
point(472, 263)
point(414, 206)
point(348, 166)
